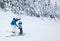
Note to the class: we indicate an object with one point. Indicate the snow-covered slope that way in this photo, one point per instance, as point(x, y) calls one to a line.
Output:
point(36, 29)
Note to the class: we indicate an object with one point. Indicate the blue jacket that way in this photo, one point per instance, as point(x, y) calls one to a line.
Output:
point(14, 22)
point(20, 24)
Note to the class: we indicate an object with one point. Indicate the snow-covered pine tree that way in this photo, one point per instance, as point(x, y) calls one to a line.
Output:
point(36, 8)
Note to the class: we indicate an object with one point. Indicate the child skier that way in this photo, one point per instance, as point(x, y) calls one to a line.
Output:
point(20, 27)
point(13, 24)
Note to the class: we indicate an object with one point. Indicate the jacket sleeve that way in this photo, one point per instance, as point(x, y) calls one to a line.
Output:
point(16, 25)
point(18, 19)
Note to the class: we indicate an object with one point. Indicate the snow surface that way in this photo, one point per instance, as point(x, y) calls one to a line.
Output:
point(36, 29)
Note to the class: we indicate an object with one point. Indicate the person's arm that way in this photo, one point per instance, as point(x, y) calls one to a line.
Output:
point(16, 25)
point(18, 19)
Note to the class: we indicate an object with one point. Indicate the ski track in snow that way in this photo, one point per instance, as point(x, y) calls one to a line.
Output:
point(36, 29)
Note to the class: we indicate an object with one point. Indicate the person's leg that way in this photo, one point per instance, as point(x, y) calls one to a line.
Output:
point(21, 30)
point(13, 28)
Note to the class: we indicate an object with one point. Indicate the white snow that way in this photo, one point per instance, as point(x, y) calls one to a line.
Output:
point(36, 29)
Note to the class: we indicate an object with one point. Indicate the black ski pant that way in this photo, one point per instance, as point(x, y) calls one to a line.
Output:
point(21, 31)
